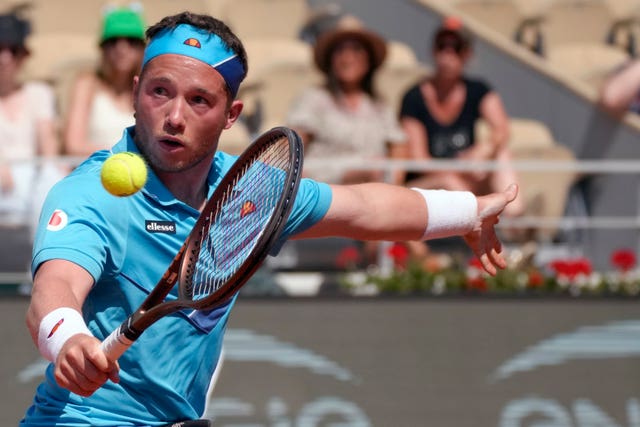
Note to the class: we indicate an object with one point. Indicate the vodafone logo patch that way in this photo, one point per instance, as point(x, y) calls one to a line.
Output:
point(57, 221)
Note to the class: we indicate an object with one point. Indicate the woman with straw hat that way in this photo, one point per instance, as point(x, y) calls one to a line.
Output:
point(344, 117)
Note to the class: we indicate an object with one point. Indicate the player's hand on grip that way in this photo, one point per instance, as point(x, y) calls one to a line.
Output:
point(82, 367)
point(483, 239)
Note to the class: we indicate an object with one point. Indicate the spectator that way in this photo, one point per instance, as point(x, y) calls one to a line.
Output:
point(439, 115)
point(344, 117)
point(621, 90)
point(27, 126)
point(101, 102)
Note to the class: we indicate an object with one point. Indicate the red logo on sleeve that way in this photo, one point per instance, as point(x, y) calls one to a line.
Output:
point(57, 221)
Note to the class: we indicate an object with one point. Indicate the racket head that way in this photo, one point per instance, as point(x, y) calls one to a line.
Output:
point(242, 219)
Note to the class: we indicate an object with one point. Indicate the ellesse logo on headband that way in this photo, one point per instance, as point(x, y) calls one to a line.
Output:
point(192, 42)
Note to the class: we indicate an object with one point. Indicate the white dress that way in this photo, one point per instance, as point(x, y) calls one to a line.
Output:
point(18, 148)
point(342, 133)
point(107, 121)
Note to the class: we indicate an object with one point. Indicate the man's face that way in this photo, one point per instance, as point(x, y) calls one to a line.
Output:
point(181, 107)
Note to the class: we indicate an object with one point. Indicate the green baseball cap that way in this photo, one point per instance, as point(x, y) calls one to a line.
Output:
point(122, 22)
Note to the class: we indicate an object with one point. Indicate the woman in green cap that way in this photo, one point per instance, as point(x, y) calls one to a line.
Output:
point(100, 104)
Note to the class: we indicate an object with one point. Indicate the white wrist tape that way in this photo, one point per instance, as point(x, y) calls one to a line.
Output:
point(451, 213)
point(56, 328)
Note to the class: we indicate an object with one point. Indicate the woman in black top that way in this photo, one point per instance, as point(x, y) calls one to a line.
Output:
point(439, 116)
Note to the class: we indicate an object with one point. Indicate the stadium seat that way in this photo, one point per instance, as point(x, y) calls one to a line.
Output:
point(52, 51)
point(400, 70)
point(623, 9)
point(532, 9)
point(577, 21)
point(625, 31)
point(400, 54)
point(545, 193)
point(265, 18)
point(66, 16)
point(276, 88)
point(515, 20)
point(235, 139)
point(589, 62)
point(265, 52)
point(154, 10)
point(502, 16)
point(265, 56)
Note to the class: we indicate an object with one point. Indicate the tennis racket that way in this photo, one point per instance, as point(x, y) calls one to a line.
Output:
point(231, 238)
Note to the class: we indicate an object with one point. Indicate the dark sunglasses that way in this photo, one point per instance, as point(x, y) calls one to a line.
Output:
point(133, 42)
point(449, 44)
point(15, 50)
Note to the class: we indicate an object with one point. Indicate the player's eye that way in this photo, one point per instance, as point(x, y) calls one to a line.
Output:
point(200, 100)
point(159, 90)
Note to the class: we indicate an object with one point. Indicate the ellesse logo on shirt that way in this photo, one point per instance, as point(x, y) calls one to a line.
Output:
point(167, 227)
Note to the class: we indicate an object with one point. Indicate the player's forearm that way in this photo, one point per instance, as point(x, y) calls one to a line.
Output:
point(384, 212)
point(57, 284)
point(372, 211)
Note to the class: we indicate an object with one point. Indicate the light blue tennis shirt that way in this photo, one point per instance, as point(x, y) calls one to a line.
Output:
point(126, 244)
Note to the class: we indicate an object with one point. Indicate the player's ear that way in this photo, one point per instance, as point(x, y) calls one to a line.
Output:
point(135, 91)
point(233, 112)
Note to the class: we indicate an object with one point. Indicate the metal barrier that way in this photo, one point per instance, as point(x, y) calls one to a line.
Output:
point(583, 167)
point(389, 167)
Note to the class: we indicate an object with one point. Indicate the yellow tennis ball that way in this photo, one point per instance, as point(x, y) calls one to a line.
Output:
point(123, 174)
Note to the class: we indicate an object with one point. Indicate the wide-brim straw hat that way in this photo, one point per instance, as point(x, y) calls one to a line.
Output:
point(348, 27)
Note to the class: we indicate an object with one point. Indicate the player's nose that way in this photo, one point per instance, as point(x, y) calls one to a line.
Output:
point(175, 118)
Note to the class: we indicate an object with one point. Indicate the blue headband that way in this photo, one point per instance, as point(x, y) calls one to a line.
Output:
point(188, 40)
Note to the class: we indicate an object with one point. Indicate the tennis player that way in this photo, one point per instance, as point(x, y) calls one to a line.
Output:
point(96, 256)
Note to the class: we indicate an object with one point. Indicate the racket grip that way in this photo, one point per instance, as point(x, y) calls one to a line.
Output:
point(115, 344)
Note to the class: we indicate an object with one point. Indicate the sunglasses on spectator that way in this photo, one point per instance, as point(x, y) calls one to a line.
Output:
point(15, 50)
point(450, 44)
point(132, 41)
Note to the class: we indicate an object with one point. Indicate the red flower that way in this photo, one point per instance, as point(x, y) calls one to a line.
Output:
point(624, 259)
point(583, 266)
point(348, 257)
point(399, 253)
point(560, 267)
point(478, 283)
point(474, 262)
point(535, 279)
point(571, 268)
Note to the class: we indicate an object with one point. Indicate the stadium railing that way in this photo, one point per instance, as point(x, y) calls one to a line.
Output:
point(390, 167)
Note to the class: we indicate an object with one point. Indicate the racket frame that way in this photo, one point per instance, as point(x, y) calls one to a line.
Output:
point(155, 307)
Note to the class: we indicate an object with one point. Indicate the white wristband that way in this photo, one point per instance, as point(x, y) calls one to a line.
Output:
point(450, 213)
point(56, 328)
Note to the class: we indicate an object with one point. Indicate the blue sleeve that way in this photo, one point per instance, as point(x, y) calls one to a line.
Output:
point(80, 222)
point(311, 204)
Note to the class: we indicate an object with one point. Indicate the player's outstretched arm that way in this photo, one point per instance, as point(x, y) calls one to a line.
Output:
point(377, 211)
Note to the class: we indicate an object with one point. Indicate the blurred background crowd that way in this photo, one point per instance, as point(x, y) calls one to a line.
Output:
point(374, 97)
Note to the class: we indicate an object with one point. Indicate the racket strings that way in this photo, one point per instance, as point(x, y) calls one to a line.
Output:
point(241, 216)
